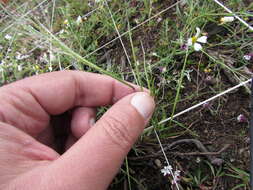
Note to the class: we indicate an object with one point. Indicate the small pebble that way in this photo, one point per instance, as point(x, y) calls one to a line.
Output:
point(158, 163)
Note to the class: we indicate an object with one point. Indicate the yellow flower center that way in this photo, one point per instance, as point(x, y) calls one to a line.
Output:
point(194, 39)
point(222, 20)
point(66, 22)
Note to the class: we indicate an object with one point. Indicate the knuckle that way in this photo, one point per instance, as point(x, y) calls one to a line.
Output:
point(117, 131)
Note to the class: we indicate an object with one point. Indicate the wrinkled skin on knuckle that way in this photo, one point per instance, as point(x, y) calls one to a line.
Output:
point(117, 130)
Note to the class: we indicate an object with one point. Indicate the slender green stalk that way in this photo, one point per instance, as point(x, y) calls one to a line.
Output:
point(134, 57)
point(121, 41)
point(150, 8)
point(51, 29)
point(179, 86)
point(128, 174)
point(135, 180)
point(76, 56)
point(145, 66)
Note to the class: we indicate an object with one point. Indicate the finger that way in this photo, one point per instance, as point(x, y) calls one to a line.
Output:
point(82, 119)
point(18, 143)
point(95, 159)
point(28, 103)
point(46, 137)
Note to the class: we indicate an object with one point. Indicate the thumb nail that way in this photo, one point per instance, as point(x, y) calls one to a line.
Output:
point(143, 103)
point(92, 122)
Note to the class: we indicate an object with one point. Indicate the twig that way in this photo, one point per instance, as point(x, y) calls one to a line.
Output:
point(182, 154)
point(201, 147)
point(202, 153)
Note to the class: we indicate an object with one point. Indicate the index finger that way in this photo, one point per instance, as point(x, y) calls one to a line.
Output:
point(57, 92)
point(53, 93)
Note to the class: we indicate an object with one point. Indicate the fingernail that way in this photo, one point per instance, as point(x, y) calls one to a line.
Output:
point(143, 103)
point(92, 121)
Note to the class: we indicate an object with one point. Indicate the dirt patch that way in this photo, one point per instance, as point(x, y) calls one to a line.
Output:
point(217, 128)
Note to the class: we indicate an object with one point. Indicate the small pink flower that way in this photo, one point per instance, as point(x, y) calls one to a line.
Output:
point(206, 105)
point(177, 177)
point(248, 57)
point(184, 47)
point(242, 119)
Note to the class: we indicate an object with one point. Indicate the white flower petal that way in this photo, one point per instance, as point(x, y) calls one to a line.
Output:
point(202, 39)
point(189, 42)
point(198, 32)
point(61, 31)
point(247, 57)
point(20, 67)
point(7, 37)
point(52, 57)
point(197, 47)
point(166, 170)
point(79, 20)
point(154, 54)
point(227, 19)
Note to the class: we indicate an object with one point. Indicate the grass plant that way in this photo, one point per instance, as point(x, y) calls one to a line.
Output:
point(146, 42)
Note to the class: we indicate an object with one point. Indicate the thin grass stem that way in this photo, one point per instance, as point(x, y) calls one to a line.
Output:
point(199, 104)
point(145, 67)
point(166, 158)
point(121, 41)
point(236, 16)
point(128, 174)
point(179, 85)
point(75, 55)
point(134, 28)
point(21, 18)
point(135, 60)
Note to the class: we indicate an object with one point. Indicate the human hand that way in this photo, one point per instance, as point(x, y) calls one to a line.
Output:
point(26, 162)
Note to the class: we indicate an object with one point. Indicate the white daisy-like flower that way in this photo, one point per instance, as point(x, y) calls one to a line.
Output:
point(166, 170)
point(66, 22)
point(227, 19)
point(20, 67)
point(7, 37)
point(196, 40)
point(247, 57)
point(79, 20)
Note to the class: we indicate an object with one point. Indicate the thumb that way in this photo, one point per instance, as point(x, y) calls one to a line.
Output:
point(95, 159)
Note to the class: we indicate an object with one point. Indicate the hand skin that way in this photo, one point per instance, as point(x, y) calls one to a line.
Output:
point(95, 152)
